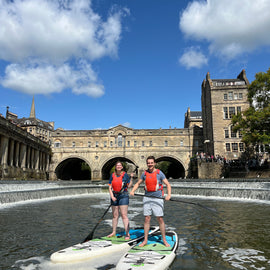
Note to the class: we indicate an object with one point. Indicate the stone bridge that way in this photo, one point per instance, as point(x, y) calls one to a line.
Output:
point(100, 149)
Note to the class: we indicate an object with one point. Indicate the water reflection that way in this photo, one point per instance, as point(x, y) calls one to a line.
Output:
point(236, 237)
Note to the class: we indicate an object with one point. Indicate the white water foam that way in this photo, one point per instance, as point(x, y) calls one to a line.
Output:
point(245, 259)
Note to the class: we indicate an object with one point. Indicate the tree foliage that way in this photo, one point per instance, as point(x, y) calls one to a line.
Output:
point(254, 123)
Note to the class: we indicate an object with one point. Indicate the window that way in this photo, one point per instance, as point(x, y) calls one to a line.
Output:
point(231, 112)
point(57, 144)
point(233, 134)
point(142, 143)
point(196, 143)
point(105, 144)
point(96, 144)
point(228, 147)
point(240, 134)
point(225, 96)
point(128, 143)
point(241, 147)
point(235, 96)
point(135, 143)
point(230, 95)
point(235, 147)
point(226, 133)
point(73, 144)
point(166, 143)
point(111, 143)
point(240, 96)
point(150, 143)
point(89, 144)
point(119, 140)
point(238, 109)
point(225, 111)
point(181, 143)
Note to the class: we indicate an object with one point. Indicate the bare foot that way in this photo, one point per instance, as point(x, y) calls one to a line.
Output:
point(127, 237)
point(166, 244)
point(111, 235)
point(143, 244)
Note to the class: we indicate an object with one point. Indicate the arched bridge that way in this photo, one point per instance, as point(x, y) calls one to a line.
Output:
point(73, 150)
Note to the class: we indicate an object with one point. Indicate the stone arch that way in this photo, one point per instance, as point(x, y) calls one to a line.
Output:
point(109, 163)
point(73, 168)
point(176, 169)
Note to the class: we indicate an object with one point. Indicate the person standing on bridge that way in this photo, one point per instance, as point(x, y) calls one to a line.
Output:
point(118, 184)
point(153, 179)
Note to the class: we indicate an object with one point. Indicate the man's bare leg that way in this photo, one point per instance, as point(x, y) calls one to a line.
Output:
point(146, 230)
point(162, 230)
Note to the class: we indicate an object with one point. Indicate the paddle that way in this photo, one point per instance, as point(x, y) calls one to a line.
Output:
point(91, 234)
point(175, 200)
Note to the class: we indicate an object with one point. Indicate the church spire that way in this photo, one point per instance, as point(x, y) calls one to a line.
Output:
point(33, 112)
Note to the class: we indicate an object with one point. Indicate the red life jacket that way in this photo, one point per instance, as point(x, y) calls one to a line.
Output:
point(117, 182)
point(151, 182)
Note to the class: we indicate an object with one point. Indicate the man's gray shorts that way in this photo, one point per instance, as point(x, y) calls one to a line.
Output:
point(153, 206)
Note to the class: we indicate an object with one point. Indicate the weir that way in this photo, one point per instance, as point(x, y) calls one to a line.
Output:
point(17, 191)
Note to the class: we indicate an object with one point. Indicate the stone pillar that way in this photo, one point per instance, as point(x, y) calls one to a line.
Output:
point(11, 152)
point(4, 151)
point(23, 156)
point(17, 153)
point(96, 175)
point(32, 158)
point(36, 160)
point(28, 155)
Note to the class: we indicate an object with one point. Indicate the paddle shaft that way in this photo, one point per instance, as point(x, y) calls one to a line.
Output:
point(175, 200)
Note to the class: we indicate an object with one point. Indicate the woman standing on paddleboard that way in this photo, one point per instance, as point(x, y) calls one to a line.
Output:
point(118, 185)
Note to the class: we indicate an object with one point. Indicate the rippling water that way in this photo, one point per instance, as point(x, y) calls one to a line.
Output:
point(236, 237)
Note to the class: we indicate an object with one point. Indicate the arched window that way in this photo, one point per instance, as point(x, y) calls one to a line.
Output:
point(57, 144)
point(120, 140)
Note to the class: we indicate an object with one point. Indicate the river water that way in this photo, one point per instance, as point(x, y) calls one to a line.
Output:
point(236, 236)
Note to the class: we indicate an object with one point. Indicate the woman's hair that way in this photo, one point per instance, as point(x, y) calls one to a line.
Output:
point(117, 163)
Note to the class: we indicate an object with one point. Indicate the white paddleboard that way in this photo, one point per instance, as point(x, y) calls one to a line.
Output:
point(153, 256)
point(100, 246)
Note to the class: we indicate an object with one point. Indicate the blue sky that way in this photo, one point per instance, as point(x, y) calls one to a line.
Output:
point(140, 63)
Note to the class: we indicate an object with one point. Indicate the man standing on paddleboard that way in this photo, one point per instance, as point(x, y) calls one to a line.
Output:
point(153, 179)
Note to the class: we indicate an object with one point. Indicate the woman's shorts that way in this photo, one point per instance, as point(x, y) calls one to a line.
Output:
point(122, 199)
point(153, 206)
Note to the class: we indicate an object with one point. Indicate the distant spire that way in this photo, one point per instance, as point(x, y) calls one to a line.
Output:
point(33, 112)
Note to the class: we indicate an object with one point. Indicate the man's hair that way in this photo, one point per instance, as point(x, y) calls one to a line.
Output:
point(151, 157)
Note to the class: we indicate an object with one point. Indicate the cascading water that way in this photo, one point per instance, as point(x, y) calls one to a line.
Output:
point(16, 191)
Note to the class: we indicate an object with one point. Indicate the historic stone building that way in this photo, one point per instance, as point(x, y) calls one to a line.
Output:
point(221, 99)
point(22, 155)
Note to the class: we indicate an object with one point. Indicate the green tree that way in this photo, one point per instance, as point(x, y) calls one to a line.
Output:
point(254, 123)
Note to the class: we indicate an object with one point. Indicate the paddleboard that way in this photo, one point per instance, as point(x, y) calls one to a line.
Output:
point(100, 246)
point(153, 256)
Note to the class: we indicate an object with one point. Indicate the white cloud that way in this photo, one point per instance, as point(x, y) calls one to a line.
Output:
point(42, 38)
point(126, 124)
point(231, 27)
point(193, 58)
point(47, 79)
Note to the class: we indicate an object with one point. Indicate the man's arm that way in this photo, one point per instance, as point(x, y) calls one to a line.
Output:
point(169, 189)
point(135, 187)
